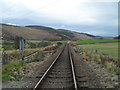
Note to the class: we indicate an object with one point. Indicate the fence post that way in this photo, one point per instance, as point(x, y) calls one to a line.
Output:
point(84, 53)
point(3, 56)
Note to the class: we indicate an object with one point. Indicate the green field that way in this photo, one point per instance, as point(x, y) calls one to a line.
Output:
point(7, 41)
point(34, 41)
point(55, 42)
point(95, 41)
point(0, 47)
point(110, 49)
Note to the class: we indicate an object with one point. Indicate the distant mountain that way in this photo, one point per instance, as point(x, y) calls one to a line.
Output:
point(43, 33)
point(118, 37)
point(65, 34)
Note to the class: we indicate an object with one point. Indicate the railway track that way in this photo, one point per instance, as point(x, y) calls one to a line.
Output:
point(65, 72)
point(60, 74)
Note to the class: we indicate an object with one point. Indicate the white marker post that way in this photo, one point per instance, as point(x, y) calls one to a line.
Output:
point(22, 48)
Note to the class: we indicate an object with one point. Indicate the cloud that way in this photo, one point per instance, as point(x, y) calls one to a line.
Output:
point(63, 26)
point(71, 13)
point(67, 11)
point(11, 24)
point(63, 12)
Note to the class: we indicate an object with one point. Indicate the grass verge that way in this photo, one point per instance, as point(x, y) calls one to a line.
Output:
point(10, 70)
point(16, 70)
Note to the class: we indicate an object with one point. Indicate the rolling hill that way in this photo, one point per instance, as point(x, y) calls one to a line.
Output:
point(43, 33)
point(11, 32)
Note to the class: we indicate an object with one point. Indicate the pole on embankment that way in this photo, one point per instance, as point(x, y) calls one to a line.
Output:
point(22, 48)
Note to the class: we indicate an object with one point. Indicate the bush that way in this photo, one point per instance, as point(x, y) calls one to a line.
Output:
point(39, 57)
point(38, 45)
point(5, 77)
point(27, 46)
point(118, 71)
point(8, 47)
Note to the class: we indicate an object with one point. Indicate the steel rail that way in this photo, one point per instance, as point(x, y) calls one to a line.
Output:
point(48, 69)
point(73, 71)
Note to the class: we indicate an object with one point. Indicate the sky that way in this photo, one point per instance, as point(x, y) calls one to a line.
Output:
point(96, 17)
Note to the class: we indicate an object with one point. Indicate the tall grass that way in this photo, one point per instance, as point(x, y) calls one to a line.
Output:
point(18, 53)
point(105, 61)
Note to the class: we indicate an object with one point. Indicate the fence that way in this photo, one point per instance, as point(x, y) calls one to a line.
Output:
point(7, 58)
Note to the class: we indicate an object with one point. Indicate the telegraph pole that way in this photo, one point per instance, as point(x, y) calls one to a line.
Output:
point(22, 48)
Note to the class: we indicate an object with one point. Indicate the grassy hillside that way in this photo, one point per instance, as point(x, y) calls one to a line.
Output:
point(26, 33)
point(44, 33)
point(63, 34)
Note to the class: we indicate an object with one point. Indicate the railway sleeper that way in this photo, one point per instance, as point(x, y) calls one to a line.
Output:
point(83, 85)
point(56, 76)
point(60, 71)
point(54, 72)
point(60, 74)
point(59, 85)
point(81, 80)
point(59, 81)
point(80, 76)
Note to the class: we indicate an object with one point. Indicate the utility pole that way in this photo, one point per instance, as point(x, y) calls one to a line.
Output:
point(22, 47)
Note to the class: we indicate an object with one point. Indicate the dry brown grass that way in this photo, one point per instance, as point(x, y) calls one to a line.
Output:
point(109, 63)
point(51, 47)
point(73, 45)
point(18, 53)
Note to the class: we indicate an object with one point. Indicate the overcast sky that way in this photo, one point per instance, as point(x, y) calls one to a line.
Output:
point(86, 16)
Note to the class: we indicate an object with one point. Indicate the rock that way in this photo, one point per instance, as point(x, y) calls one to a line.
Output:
point(12, 78)
point(116, 84)
point(15, 73)
point(115, 78)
